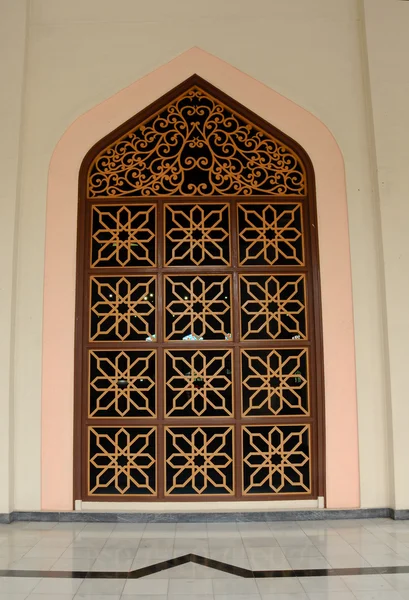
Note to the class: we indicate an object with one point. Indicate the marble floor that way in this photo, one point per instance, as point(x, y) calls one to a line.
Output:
point(303, 560)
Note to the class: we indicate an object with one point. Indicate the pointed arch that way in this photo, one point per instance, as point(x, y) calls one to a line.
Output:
point(342, 467)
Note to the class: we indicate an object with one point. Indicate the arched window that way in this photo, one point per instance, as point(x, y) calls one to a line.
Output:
point(198, 349)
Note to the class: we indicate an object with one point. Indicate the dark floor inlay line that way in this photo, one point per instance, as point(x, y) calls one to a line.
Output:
point(221, 566)
point(162, 566)
point(206, 562)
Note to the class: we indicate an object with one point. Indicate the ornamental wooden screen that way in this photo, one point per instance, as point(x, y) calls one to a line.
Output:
point(198, 362)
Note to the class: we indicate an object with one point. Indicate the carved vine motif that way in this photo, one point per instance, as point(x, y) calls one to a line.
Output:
point(196, 146)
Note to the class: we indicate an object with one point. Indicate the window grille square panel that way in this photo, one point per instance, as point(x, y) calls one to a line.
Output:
point(199, 383)
point(123, 236)
point(122, 308)
point(199, 461)
point(198, 306)
point(122, 461)
point(270, 234)
point(275, 382)
point(276, 459)
point(273, 307)
point(197, 234)
point(122, 383)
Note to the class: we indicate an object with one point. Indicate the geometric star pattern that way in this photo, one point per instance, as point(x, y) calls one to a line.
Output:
point(122, 383)
point(276, 459)
point(122, 308)
point(271, 234)
point(198, 383)
point(198, 305)
point(199, 460)
point(123, 236)
point(197, 235)
point(272, 306)
point(122, 460)
point(274, 382)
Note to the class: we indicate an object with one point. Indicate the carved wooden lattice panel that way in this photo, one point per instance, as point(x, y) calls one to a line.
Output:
point(197, 235)
point(198, 305)
point(122, 383)
point(123, 236)
point(199, 460)
point(273, 307)
point(122, 460)
point(196, 146)
point(199, 383)
point(122, 308)
point(276, 459)
point(271, 234)
point(197, 352)
point(275, 382)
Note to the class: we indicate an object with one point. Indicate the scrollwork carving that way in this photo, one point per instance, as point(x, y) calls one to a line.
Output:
point(196, 146)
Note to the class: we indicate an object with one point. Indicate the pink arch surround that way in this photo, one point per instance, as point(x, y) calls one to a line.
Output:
point(342, 470)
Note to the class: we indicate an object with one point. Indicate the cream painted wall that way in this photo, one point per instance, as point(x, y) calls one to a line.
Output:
point(12, 51)
point(82, 51)
point(387, 29)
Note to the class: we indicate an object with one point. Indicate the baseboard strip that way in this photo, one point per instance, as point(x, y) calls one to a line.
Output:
point(203, 517)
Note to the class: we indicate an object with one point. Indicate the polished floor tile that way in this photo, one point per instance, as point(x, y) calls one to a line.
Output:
point(146, 586)
point(347, 561)
point(364, 583)
point(378, 595)
point(323, 584)
point(235, 586)
point(12, 553)
point(72, 564)
point(45, 552)
point(51, 586)
point(276, 585)
point(188, 587)
point(159, 530)
point(17, 585)
point(399, 581)
point(97, 597)
point(111, 565)
point(13, 596)
point(309, 562)
point(33, 564)
point(236, 548)
point(331, 595)
point(197, 546)
point(237, 596)
point(188, 530)
point(191, 597)
point(101, 586)
point(149, 597)
point(260, 542)
point(34, 596)
point(284, 596)
point(74, 552)
point(301, 551)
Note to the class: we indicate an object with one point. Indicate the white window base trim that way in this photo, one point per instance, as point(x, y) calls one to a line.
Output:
point(197, 507)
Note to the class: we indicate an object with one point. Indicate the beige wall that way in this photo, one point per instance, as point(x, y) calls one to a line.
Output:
point(12, 53)
point(82, 51)
point(387, 29)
